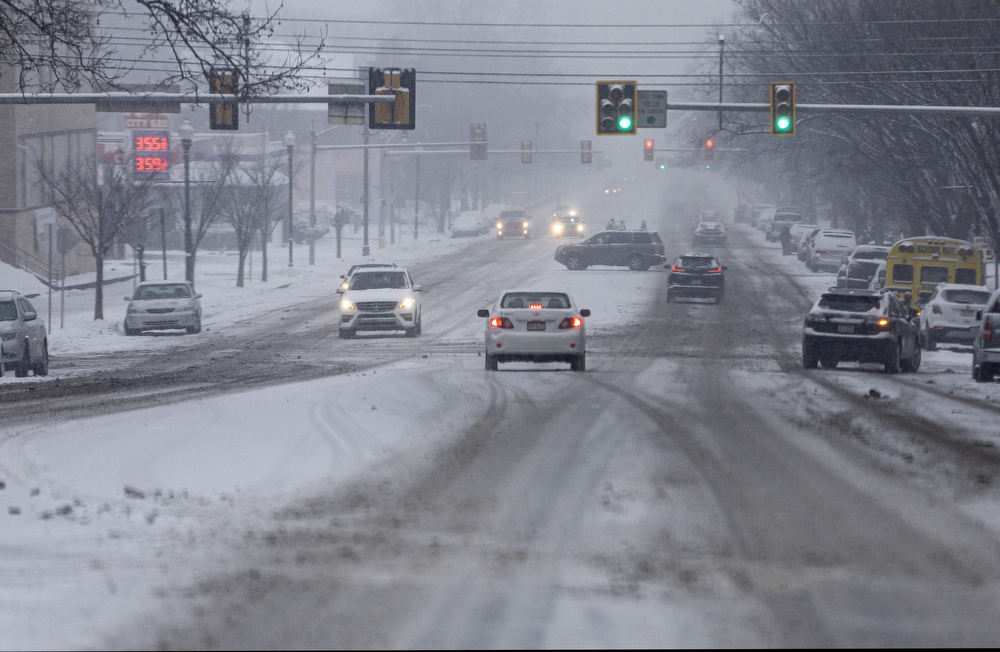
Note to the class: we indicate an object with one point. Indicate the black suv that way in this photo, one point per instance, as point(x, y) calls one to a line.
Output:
point(637, 250)
point(697, 276)
point(861, 326)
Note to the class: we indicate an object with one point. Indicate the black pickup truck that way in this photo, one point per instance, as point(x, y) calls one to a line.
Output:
point(512, 223)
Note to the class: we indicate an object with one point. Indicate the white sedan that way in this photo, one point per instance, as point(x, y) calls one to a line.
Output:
point(534, 326)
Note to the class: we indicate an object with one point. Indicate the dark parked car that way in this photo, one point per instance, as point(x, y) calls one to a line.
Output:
point(513, 223)
point(861, 326)
point(857, 270)
point(697, 276)
point(986, 346)
point(637, 250)
point(708, 232)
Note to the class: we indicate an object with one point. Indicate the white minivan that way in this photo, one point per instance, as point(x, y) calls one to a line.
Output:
point(828, 247)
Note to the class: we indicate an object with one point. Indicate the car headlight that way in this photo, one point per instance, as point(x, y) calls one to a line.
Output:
point(344, 285)
point(525, 225)
point(406, 303)
point(346, 304)
point(579, 227)
point(8, 336)
point(499, 225)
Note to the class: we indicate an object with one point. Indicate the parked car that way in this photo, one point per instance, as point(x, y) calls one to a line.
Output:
point(856, 271)
point(762, 215)
point(23, 340)
point(637, 250)
point(163, 305)
point(861, 326)
point(514, 222)
point(709, 216)
point(805, 242)
point(469, 223)
point(799, 230)
point(773, 233)
point(535, 326)
point(828, 248)
point(950, 314)
point(696, 275)
point(986, 345)
point(380, 300)
point(708, 232)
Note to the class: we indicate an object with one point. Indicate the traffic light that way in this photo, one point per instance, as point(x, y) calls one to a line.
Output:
point(616, 107)
point(661, 162)
point(647, 153)
point(526, 151)
point(585, 151)
point(709, 150)
point(782, 108)
point(224, 115)
point(477, 138)
point(402, 85)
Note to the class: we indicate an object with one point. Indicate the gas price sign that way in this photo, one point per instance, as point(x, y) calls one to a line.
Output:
point(151, 154)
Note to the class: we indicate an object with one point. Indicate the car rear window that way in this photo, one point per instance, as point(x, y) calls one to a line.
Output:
point(171, 291)
point(859, 269)
point(643, 238)
point(849, 303)
point(965, 276)
point(535, 300)
point(655, 238)
point(697, 261)
point(871, 255)
point(932, 275)
point(966, 296)
point(8, 311)
point(378, 281)
point(710, 225)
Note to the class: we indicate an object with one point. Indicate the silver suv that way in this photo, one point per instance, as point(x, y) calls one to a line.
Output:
point(23, 336)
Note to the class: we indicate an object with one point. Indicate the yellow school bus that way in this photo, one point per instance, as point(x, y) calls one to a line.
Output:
point(916, 266)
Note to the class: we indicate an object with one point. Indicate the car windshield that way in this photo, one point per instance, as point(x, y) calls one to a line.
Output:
point(966, 296)
point(697, 261)
point(8, 311)
point(378, 281)
point(848, 303)
point(869, 254)
point(165, 291)
point(535, 300)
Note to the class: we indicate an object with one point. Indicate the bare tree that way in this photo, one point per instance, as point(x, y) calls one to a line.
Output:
point(101, 203)
point(249, 204)
point(52, 44)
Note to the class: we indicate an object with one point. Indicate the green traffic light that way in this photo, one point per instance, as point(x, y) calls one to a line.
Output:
point(783, 123)
point(625, 123)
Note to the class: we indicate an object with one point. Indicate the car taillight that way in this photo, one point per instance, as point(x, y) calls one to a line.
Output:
point(821, 252)
point(675, 268)
point(936, 308)
point(715, 270)
point(535, 306)
point(987, 330)
point(571, 322)
point(501, 322)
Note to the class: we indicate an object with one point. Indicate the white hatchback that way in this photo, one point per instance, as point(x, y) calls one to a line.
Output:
point(535, 326)
point(950, 314)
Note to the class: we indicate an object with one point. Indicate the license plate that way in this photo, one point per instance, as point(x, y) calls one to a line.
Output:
point(696, 281)
point(845, 328)
point(967, 313)
point(536, 325)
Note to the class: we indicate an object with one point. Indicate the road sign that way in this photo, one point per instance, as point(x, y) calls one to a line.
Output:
point(985, 246)
point(346, 114)
point(651, 109)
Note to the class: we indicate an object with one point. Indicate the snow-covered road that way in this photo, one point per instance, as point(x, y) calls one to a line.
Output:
point(695, 487)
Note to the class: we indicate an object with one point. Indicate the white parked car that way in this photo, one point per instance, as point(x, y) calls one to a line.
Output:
point(380, 300)
point(535, 326)
point(950, 314)
point(163, 305)
point(469, 223)
point(828, 248)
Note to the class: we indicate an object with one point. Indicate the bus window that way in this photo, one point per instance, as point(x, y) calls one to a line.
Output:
point(902, 273)
point(932, 275)
point(965, 275)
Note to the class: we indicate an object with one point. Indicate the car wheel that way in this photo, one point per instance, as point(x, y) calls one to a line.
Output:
point(892, 361)
point(420, 324)
point(21, 370)
point(670, 296)
point(574, 262)
point(635, 263)
point(42, 366)
point(491, 363)
point(129, 332)
point(411, 332)
point(929, 342)
point(917, 358)
point(829, 361)
point(346, 333)
point(986, 373)
point(192, 330)
point(719, 298)
point(579, 363)
point(975, 372)
point(810, 360)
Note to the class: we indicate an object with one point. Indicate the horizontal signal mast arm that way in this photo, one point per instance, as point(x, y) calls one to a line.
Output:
point(838, 108)
point(147, 99)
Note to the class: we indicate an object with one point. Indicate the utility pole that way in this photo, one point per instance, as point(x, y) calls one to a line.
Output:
point(722, 47)
point(365, 250)
point(312, 195)
point(416, 203)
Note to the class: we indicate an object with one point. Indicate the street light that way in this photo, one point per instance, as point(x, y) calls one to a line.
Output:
point(290, 144)
point(187, 133)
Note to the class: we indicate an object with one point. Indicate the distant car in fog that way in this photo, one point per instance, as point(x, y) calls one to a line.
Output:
point(469, 223)
point(514, 222)
point(568, 224)
point(697, 276)
point(709, 232)
point(637, 250)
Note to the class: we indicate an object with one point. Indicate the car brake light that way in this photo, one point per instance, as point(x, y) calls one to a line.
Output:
point(987, 330)
point(675, 268)
point(501, 322)
point(715, 270)
point(535, 306)
point(936, 308)
point(571, 322)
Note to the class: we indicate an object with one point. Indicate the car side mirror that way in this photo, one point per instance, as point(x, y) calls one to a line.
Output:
point(979, 315)
point(483, 313)
point(340, 290)
point(128, 298)
point(198, 296)
point(418, 288)
point(585, 312)
point(30, 316)
point(343, 276)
